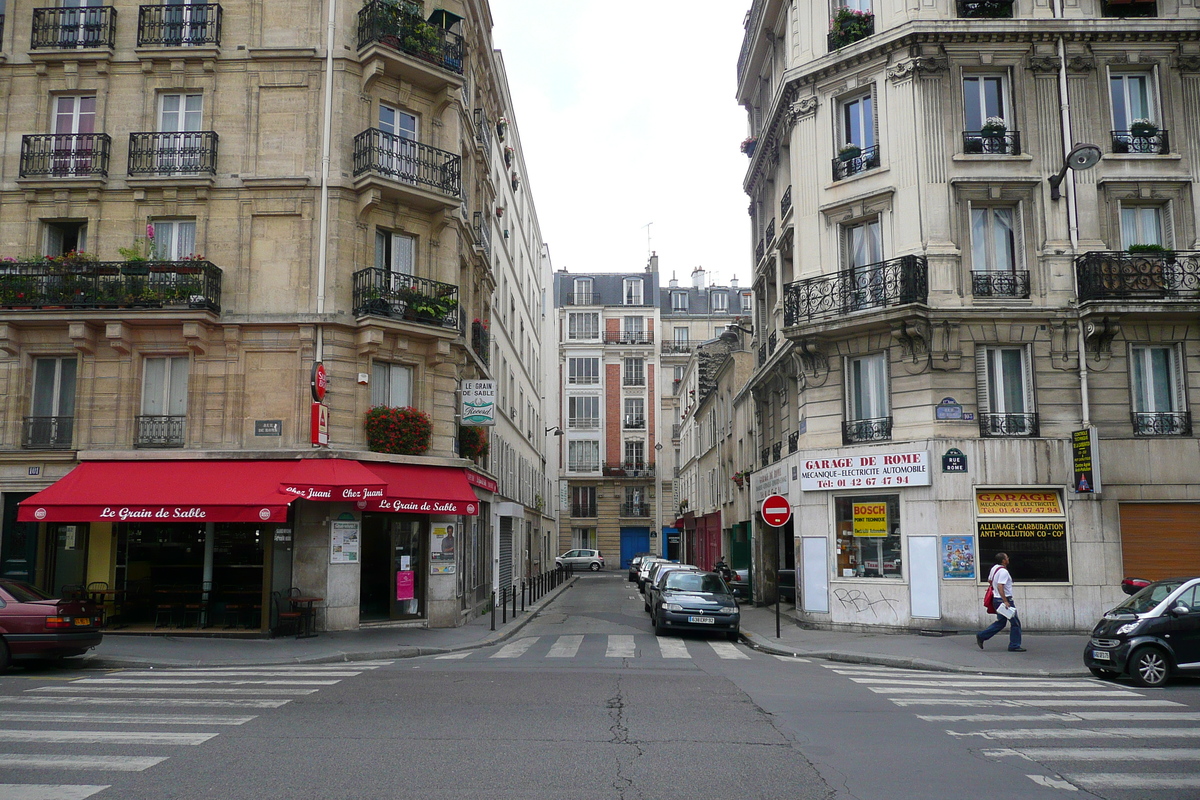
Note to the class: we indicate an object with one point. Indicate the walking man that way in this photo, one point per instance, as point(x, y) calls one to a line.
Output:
point(1002, 590)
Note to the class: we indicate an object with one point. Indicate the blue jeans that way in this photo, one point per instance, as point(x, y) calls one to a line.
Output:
point(1014, 633)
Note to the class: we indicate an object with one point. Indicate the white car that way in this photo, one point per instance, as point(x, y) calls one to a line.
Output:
point(581, 558)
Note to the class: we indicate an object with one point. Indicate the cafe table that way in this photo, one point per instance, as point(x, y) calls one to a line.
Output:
point(304, 604)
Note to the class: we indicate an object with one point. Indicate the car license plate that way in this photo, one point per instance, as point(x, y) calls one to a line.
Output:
point(702, 620)
point(83, 621)
point(1100, 655)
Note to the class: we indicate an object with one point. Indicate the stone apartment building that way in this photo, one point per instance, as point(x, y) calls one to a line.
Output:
point(228, 231)
point(977, 282)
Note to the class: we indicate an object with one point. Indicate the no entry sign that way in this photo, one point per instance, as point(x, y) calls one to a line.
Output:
point(776, 511)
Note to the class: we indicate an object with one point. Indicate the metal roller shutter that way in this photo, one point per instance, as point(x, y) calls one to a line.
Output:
point(1160, 540)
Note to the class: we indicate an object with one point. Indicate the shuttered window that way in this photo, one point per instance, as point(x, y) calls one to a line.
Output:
point(1156, 538)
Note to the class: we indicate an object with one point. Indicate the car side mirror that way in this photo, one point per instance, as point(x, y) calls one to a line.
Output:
point(1179, 610)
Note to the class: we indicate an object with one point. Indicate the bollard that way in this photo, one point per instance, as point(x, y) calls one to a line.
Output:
point(493, 610)
point(504, 606)
point(522, 595)
point(514, 599)
point(777, 596)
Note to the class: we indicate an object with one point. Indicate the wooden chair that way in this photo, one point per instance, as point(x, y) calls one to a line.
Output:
point(167, 607)
point(285, 615)
point(99, 599)
point(198, 606)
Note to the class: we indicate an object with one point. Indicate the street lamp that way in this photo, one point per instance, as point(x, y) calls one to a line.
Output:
point(1082, 156)
point(557, 430)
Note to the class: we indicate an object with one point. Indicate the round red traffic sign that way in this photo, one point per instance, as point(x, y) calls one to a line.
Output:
point(776, 511)
point(318, 381)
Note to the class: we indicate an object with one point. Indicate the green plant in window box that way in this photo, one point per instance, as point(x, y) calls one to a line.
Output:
point(397, 430)
point(1147, 248)
point(849, 26)
point(849, 151)
point(1143, 127)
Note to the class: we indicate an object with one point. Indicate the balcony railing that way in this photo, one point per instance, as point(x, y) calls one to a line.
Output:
point(845, 166)
point(1158, 144)
point(634, 380)
point(985, 9)
point(48, 433)
point(73, 28)
point(407, 161)
point(400, 27)
point(635, 423)
point(179, 25)
point(111, 284)
point(776, 451)
point(886, 284)
point(584, 423)
point(629, 469)
point(785, 204)
point(483, 233)
point(1000, 284)
point(762, 354)
point(857, 431)
point(392, 294)
point(1161, 423)
point(793, 441)
point(582, 466)
point(481, 342)
point(675, 430)
point(483, 132)
point(670, 346)
point(759, 250)
point(65, 155)
point(635, 510)
point(187, 153)
point(157, 431)
point(769, 237)
point(581, 299)
point(996, 425)
point(1007, 143)
point(583, 509)
point(629, 337)
point(765, 456)
point(1165, 275)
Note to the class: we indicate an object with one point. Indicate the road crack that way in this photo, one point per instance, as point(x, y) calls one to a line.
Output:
point(622, 783)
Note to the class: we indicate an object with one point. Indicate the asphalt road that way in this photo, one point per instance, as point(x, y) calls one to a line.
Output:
point(587, 703)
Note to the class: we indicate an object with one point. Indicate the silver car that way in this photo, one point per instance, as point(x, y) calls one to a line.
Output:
point(590, 559)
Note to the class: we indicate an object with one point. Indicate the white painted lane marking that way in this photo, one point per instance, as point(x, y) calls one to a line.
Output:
point(107, 763)
point(75, 687)
point(515, 649)
point(1075, 716)
point(1025, 693)
point(452, 656)
point(727, 650)
point(1005, 734)
point(197, 673)
point(565, 647)
point(794, 659)
point(673, 648)
point(978, 684)
point(1052, 783)
point(194, 682)
point(1096, 753)
point(620, 646)
point(106, 737)
point(983, 702)
point(1116, 780)
point(47, 791)
point(72, 700)
point(121, 719)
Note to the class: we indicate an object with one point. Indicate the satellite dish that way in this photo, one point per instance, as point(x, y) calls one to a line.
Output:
point(1083, 156)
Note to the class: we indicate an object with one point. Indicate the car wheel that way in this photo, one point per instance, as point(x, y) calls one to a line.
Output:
point(659, 628)
point(1149, 667)
point(4, 657)
point(735, 636)
point(646, 605)
point(1103, 674)
point(595, 566)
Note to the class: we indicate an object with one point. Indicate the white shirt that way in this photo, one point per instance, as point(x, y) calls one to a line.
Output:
point(1002, 582)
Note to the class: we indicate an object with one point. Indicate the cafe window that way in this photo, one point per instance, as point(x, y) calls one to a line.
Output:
point(868, 536)
point(1028, 525)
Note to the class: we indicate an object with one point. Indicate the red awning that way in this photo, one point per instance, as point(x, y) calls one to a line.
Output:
point(419, 489)
point(164, 491)
point(332, 479)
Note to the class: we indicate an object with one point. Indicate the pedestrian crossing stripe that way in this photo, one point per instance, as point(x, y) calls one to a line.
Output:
point(1005, 734)
point(48, 791)
point(104, 763)
point(105, 737)
point(121, 719)
point(1096, 753)
point(78, 700)
point(615, 646)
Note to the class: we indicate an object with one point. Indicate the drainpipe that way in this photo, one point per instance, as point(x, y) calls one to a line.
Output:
point(1072, 217)
point(326, 136)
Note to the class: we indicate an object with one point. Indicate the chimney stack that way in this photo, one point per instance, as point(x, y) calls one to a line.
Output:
point(698, 278)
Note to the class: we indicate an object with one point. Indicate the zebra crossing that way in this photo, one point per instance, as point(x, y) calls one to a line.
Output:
point(617, 646)
point(163, 708)
point(1069, 726)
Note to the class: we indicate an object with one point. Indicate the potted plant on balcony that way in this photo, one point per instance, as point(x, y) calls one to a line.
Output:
point(472, 442)
point(508, 155)
point(849, 151)
point(501, 128)
point(1143, 127)
point(748, 145)
point(849, 26)
point(399, 431)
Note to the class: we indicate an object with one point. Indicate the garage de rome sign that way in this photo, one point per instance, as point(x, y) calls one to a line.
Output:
point(864, 471)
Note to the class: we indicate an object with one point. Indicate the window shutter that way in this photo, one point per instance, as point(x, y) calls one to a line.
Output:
point(177, 394)
point(1180, 388)
point(981, 380)
point(1027, 368)
point(153, 386)
point(1168, 227)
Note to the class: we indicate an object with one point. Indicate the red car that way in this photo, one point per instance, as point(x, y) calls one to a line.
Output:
point(35, 625)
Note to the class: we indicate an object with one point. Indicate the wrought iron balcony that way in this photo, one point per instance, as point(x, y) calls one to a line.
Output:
point(1006, 143)
point(886, 284)
point(483, 233)
point(785, 204)
point(187, 153)
point(1161, 423)
point(999, 425)
point(679, 346)
point(1119, 275)
point(44, 285)
point(1000, 284)
point(793, 441)
point(985, 9)
point(776, 451)
point(65, 155)
point(772, 341)
point(380, 292)
point(584, 423)
point(675, 430)
point(1125, 9)
point(759, 250)
point(581, 299)
point(857, 431)
point(629, 469)
point(73, 28)
point(399, 26)
point(629, 337)
point(157, 431)
point(1158, 143)
point(174, 25)
point(481, 342)
point(633, 422)
point(407, 161)
point(762, 354)
point(765, 456)
point(769, 237)
point(48, 433)
point(582, 466)
point(483, 132)
point(635, 510)
point(582, 509)
point(845, 166)
point(633, 380)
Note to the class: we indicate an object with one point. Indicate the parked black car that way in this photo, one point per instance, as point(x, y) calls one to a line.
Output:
point(1153, 634)
point(685, 600)
point(634, 564)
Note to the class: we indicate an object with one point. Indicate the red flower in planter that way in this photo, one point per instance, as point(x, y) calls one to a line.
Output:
point(399, 431)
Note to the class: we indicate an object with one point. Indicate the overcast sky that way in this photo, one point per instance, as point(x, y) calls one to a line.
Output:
point(627, 116)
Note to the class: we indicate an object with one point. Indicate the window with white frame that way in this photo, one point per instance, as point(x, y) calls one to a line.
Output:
point(681, 335)
point(1005, 391)
point(862, 251)
point(583, 412)
point(858, 121)
point(180, 120)
point(164, 402)
point(174, 239)
point(747, 301)
point(719, 301)
point(1144, 225)
point(391, 385)
point(583, 455)
point(395, 252)
point(679, 301)
point(633, 330)
point(583, 325)
point(63, 237)
point(863, 6)
point(635, 372)
point(583, 371)
point(993, 238)
point(1133, 98)
point(1157, 389)
point(868, 413)
point(635, 454)
point(52, 404)
point(633, 291)
point(582, 291)
point(984, 98)
point(635, 412)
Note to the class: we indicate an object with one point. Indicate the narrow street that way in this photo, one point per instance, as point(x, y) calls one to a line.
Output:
point(585, 702)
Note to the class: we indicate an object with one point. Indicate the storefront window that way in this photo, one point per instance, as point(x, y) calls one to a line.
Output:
point(868, 536)
point(1030, 527)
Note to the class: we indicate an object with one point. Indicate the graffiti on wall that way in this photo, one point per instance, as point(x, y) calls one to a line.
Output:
point(862, 602)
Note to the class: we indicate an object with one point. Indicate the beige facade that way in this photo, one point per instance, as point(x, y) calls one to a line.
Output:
point(323, 184)
point(923, 288)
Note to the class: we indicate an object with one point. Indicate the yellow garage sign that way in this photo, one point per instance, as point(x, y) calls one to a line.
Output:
point(870, 519)
point(1018, 503)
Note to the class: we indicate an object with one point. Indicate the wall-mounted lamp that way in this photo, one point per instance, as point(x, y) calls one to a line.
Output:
point(1082, 156)
point(557, 430)
point(730, 332)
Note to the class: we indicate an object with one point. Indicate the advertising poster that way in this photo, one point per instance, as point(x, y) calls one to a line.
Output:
point(870, 519)
point(405, 581)
point(344, 541)
point(441, 549)
point(958, 557)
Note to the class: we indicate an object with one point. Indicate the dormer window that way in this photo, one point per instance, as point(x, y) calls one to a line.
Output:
point(633, 291)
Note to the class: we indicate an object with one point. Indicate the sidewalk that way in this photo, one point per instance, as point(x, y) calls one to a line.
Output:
point(1053, 655)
